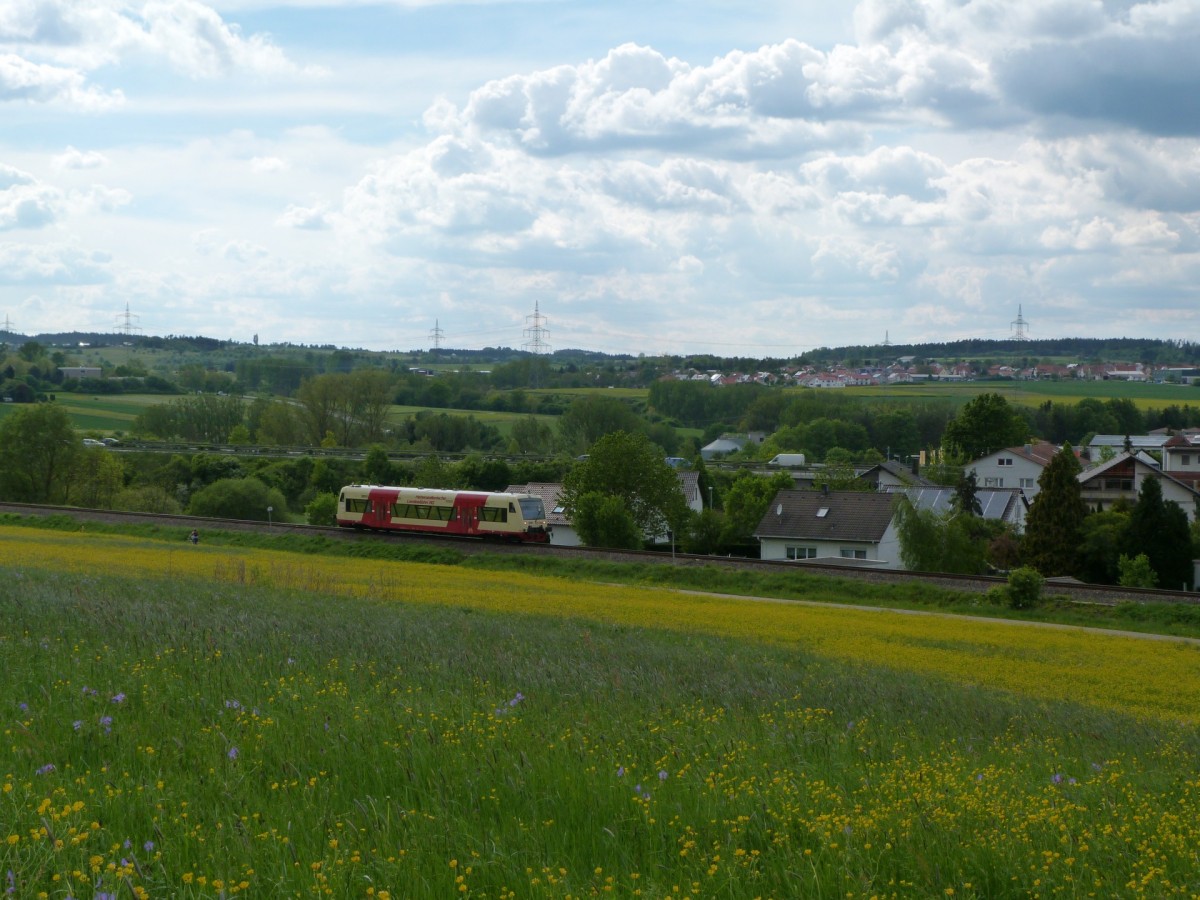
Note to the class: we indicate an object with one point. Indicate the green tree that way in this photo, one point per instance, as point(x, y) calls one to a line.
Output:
point(238, 498)
point(703, 532)
point(1102, 542)
point(591, 417)
point(531, 435)
point(603, 520)
point(939, 542)
point(1054, 526)
point(628, 466)
point(746, 501)
point(1159, 529)
point(377, 468)
point(38, 450)
point(1136, 572)
point(96, 479)
point(965, 499)
point(984, 425)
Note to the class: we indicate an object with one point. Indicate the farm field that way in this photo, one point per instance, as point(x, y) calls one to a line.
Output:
point(104, 414)
point(1034, 393)
point(214, 721)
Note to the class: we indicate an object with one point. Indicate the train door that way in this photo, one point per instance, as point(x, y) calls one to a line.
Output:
point(379, 510)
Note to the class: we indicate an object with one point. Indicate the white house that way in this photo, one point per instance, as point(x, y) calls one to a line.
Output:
point(842, 527)
point(1013, 467)
point(1121, 479)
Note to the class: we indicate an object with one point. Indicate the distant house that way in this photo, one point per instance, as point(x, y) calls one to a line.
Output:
point(1121, 477)
point(1118, 442)
point(843, 527)
point(1013, 467)
point(80, 372)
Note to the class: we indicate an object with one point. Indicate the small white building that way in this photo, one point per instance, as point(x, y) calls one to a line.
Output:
point(80, 372)
point(842, 527)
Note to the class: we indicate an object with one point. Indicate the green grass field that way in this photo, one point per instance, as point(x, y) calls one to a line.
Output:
point(212, 721)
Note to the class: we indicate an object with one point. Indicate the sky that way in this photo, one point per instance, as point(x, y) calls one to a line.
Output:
point(709, 176)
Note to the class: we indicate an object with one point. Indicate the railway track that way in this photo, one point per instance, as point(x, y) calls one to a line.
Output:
point(1090, 593)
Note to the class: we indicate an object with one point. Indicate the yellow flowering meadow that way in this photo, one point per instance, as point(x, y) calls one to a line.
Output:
point(1138, 675)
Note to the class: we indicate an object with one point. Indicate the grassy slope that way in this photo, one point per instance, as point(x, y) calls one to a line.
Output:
point(203, 732)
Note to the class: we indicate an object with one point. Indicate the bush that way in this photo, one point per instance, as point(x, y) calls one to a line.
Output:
point(1024, 587)
point(238, 498)
point(322, 510)
point(1136, 572)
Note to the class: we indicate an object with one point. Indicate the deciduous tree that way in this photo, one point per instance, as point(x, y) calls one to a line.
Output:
point(38, 449)
point(985, 424)
point(628, 466)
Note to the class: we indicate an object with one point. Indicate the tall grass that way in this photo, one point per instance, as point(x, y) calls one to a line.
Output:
point(427, 732)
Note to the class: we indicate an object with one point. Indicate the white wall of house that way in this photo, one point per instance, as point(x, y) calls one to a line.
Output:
point(884, 555)
point(1005, 469)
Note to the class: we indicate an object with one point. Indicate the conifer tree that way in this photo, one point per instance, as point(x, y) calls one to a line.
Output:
point(1159, 529)
point(1054, 527)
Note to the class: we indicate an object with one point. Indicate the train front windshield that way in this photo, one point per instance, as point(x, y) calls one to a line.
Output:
point(532, 508)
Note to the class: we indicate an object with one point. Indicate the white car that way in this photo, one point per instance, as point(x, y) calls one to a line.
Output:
point(92, 442)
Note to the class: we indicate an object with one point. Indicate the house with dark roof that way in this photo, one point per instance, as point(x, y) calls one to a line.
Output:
point(843, 527)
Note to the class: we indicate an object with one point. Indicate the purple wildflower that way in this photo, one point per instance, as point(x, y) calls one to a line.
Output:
point(23, 707)
point(517, 699)
point(77, 724)
point(118, 698)
point(662, 775)
point(46, 769)
point(233, 753)
point(1056, 778)
point(89, 692)
point(106, 724)
point(232, 704)
point(148, 846)
point(620, 771)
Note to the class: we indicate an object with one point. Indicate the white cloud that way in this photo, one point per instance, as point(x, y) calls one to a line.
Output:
point(30, 82)
point(78, 159)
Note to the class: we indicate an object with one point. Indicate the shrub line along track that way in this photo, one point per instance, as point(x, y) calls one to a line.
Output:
point(1089, 593)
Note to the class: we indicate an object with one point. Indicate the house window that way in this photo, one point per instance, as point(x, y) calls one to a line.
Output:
point(1004, 461)
point(1185, 459)
point(993, 482)
point(853, 553)
point(1026, 482)
point(801, 552)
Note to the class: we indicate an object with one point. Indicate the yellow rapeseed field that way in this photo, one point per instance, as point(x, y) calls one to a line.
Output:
point(1159, 679)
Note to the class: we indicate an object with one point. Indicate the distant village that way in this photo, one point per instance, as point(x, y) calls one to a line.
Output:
point(909, 369)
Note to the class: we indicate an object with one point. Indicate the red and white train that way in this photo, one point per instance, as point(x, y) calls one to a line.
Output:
point(511, 517)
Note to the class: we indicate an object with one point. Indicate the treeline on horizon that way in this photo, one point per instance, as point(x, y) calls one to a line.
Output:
point(1150, 351)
